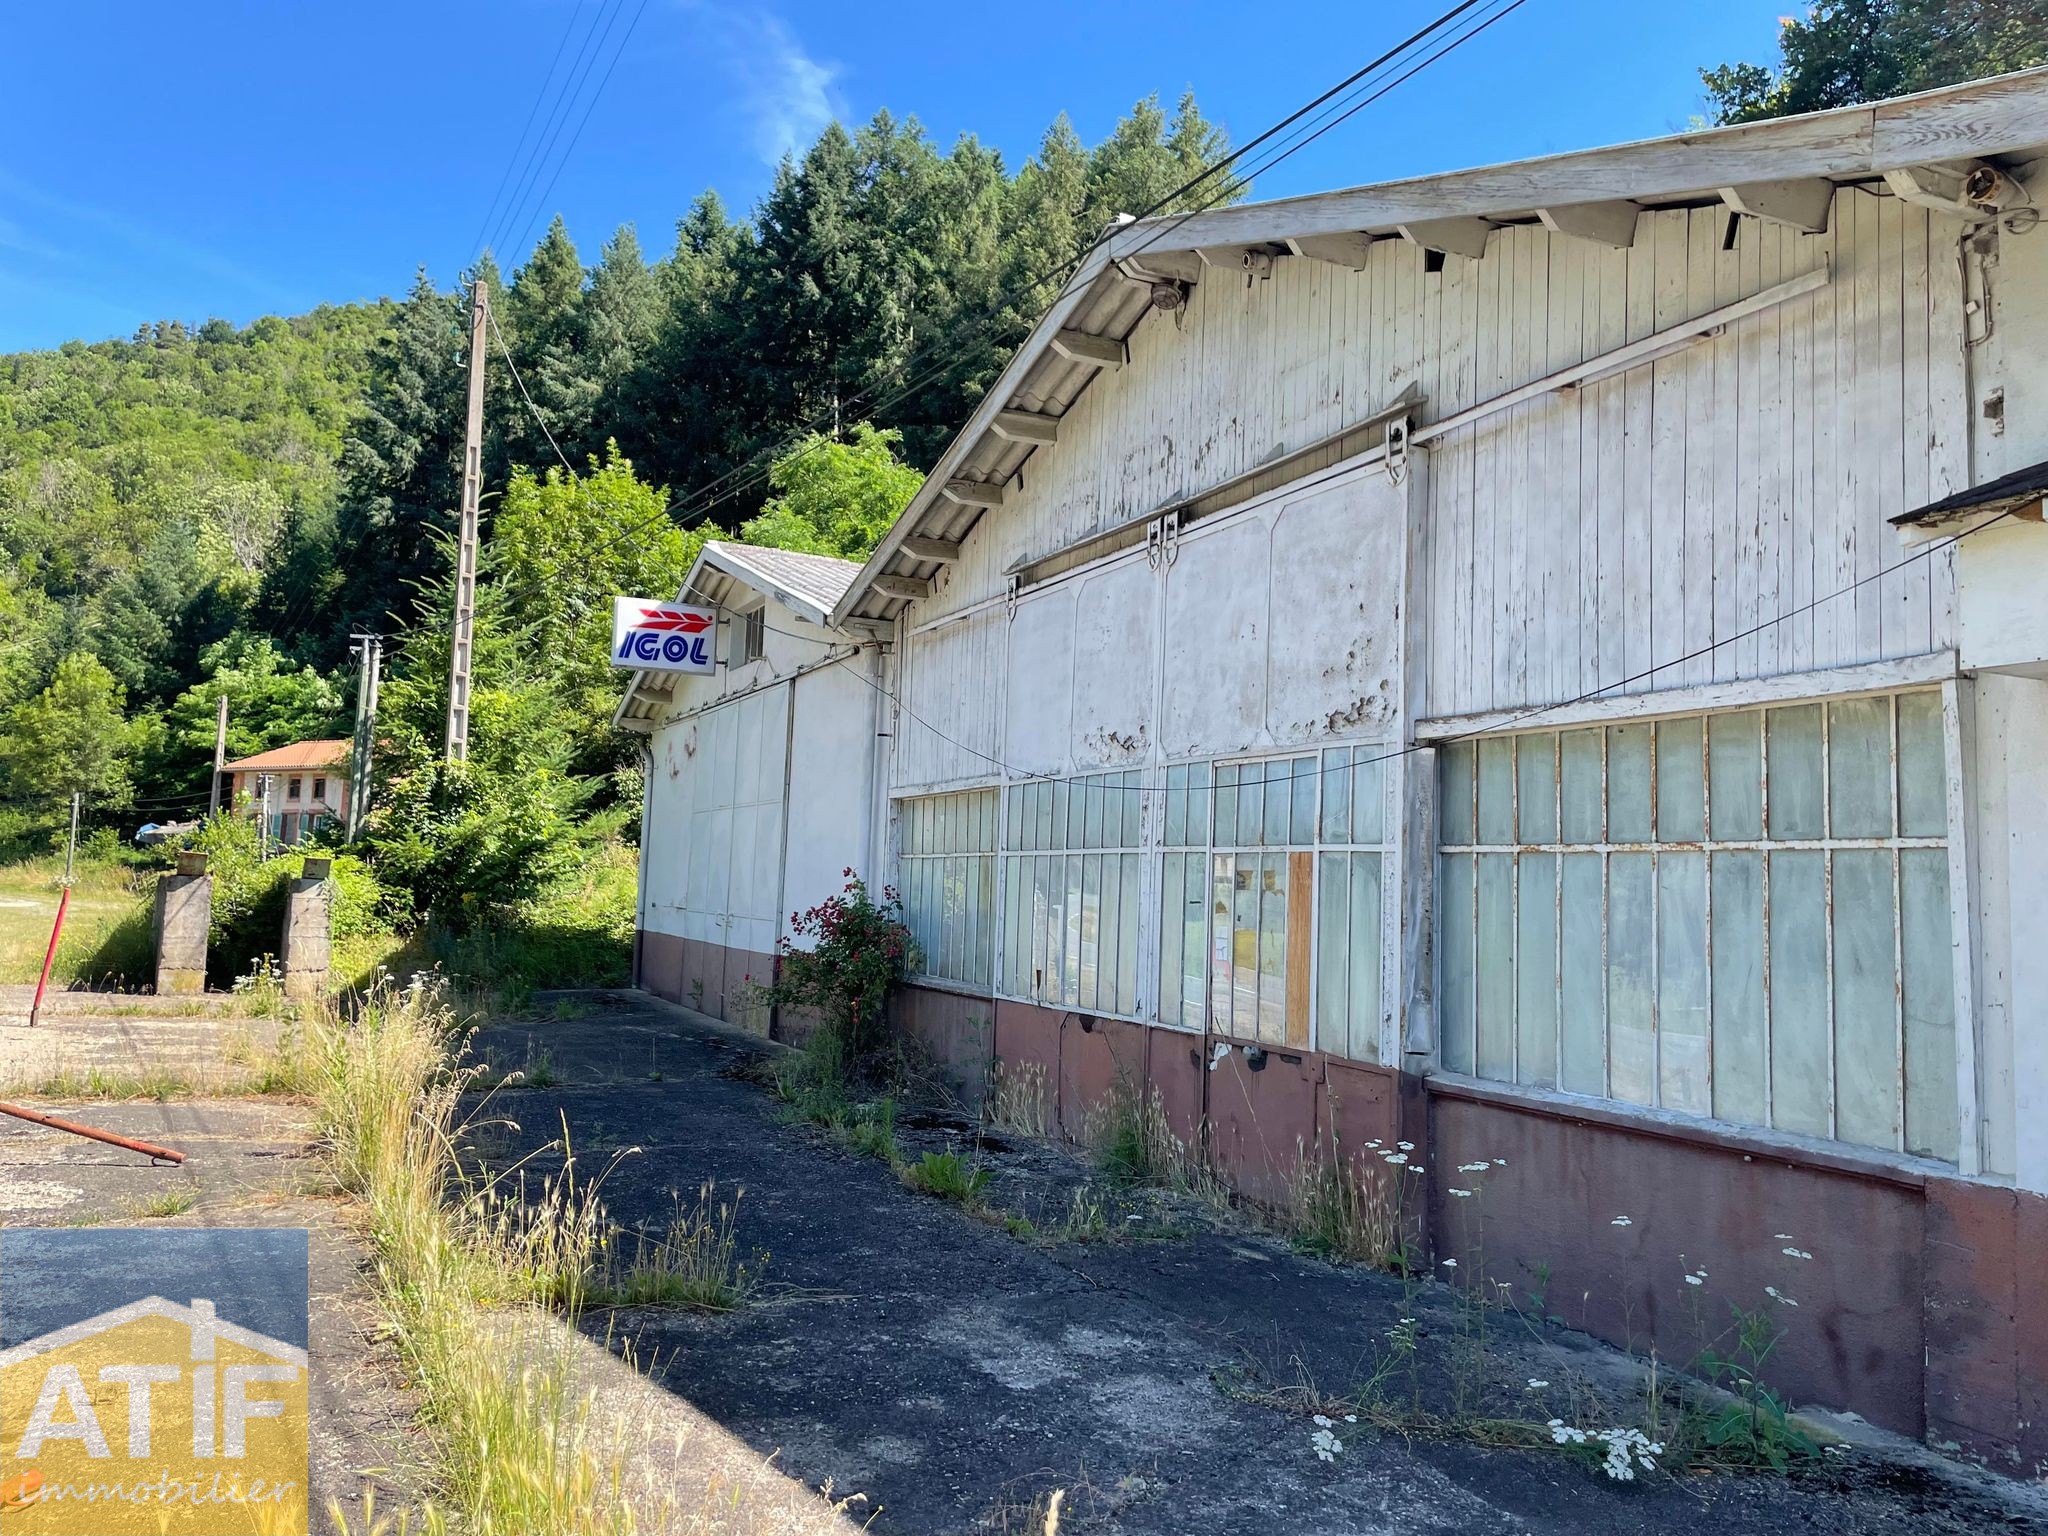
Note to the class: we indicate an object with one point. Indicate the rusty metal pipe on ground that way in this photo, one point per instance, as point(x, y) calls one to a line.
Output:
point(37, 1117)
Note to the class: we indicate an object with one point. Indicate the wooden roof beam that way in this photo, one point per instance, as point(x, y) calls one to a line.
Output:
point(889, 584)
point(1464, 235)
point(1146, 266)
point(1026, 427)
point(974, 493)
point(944, 551)
point(1610, 223)
point(1095, 351)
point(1802, 204)
point(1348, 249)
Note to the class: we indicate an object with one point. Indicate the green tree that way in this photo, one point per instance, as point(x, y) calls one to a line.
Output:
point(1846, 51)
point(272, 702)
point(71, 739)
point(835, 498)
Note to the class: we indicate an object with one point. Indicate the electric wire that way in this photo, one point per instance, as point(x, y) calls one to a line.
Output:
point(589, 106)
point(703, 500)
point(579, 71)
point(506, 353)
point(476, 248)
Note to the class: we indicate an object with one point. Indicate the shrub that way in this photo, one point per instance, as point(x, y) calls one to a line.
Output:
point(947, 1176)
point(860, 951)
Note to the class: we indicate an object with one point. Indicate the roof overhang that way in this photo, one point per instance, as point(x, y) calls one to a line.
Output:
point(1782, 171)
point(2021, 491)
point(724, 576)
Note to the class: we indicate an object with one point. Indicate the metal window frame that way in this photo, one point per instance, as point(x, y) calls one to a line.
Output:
point(1827, 845)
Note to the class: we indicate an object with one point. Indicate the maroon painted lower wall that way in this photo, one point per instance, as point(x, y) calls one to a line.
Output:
point(1915, 1298)
point(708, 977)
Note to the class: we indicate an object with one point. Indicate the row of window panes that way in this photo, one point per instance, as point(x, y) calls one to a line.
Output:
point(956, 823)
point(949, 903)
point(1851, 769)
point(1070, 929)
point(1266, 805)
point(1104, 810)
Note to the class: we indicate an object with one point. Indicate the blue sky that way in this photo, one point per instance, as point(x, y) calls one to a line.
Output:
point(239, 159)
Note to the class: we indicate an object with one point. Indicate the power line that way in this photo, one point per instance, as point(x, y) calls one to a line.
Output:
point(740, 477)
point(506, 353)
point(572, 85)
point(589, 107)
point(708, 497)
point(505, 176)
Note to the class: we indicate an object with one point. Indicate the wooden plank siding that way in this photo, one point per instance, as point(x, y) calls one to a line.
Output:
point(1586, 537)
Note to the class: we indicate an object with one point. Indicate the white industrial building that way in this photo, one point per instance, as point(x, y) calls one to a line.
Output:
point(1505, 660)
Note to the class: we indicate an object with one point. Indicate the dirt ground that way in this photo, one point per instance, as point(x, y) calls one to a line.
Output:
point(900, 1349)
point(249, 1165)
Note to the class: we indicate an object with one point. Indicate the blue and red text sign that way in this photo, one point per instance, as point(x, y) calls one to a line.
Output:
point(663, 637)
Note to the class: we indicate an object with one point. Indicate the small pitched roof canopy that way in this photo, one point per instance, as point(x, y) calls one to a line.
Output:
point(1783, 171)
point(738, 578)
point(2004, 494)
point(298, 754)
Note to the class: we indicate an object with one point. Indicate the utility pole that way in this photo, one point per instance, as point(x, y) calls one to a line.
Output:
point(461, 641)
point(220, 755)
point(262, 818)
point(371, 648)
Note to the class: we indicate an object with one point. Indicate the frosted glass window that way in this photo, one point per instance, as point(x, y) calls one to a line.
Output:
point(947, 881)
point(1759, 928)
point(1923, 773)
point(1860, 768)
point(1536, 969)
point(1681, 781)
point(1494, 999)
point(1083, 930)
point(1337, 795)
point(1536, 788)
point(1794, 772)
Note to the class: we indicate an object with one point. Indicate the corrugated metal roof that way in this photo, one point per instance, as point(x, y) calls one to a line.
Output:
point(1108, 297)
point(297, 754)
point(822, 579)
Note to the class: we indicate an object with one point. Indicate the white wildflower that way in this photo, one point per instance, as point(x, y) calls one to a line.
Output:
point(1462, 1194)
point(1416, 1168)
point(1473, 1167)
point(1536, 1385)
point(1621, 1221)
point(1350, 1418)
point(1795, 1253)
point(1785, 1237)
point(1695, 1279)
point(1325, 1444)
point(1374, 1142)
point(1396, 1157)
point(1450, 1263)
point(1500, 1162)
point(1779, 1296)
point(1323, 1420)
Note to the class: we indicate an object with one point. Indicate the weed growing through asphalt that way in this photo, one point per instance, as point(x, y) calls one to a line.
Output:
point(947, 1176)
point(175, 1201)
point(1017, 1099)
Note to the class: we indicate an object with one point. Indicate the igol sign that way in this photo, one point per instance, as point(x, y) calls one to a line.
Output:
point(663, 637)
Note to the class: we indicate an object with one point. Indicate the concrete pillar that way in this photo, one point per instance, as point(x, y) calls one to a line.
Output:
point(307, 927)
point(184, 909)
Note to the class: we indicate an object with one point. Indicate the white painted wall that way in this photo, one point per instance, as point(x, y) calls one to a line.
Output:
point(722, 772)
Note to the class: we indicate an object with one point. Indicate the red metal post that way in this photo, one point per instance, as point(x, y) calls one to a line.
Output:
point(50, 954)
point(37, 1117)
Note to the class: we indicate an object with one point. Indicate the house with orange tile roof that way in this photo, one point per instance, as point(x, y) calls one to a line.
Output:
point(297, 788)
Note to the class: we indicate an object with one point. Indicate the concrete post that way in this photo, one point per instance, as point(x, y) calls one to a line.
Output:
point(184, 909)
point(305, 950)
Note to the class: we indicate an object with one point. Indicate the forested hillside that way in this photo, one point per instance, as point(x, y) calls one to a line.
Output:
point(205, 511)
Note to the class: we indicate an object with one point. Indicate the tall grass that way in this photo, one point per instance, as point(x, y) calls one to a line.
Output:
point(460, 1278)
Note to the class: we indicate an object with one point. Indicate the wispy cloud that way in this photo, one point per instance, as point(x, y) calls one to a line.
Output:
point(786, 93)
point(137, 236)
